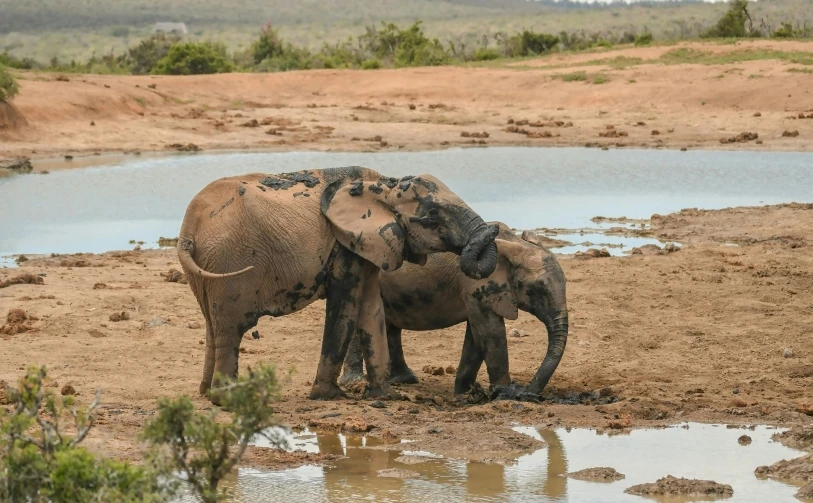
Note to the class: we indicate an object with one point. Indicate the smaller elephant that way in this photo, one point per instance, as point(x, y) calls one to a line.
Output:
point(436, 295)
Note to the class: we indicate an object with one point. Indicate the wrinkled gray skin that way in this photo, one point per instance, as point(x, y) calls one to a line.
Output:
point(436, 295)
point(293, 238)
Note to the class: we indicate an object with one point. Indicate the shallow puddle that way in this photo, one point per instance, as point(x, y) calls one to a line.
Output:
point(692, 450)
point(142, 198)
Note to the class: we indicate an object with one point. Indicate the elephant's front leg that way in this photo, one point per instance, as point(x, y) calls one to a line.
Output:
point(344, 295)
point(353, 369)
point(373, 335)
point(487, 331)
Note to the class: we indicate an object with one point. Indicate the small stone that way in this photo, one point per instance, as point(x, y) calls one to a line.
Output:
point(671, 247)
point(68, 389)
point(255, 334)
point(757, 114)
point(744, 440)
point(788, 353)
point(433, 370)
point(437, 400)
point(92, 123)
point(451, 370)
point(120, 316)
point(736, 391)
point(515, 333)
point(378, 404)
point(155, 322)
point(194, 325)
point(413, 410)
point(96, 334)
point(434, 430)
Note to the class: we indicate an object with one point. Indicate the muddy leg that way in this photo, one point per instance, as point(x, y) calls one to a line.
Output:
point(353, 369)
point(227, 338)
point(209, 360)
point(343, 303)
point(471, 359)
point(400, 373)
point(373, 335)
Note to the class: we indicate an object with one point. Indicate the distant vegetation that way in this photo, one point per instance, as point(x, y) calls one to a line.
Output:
point(385, 45)
point(73, 30)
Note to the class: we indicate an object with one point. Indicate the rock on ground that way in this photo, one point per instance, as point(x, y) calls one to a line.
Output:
point(673, 486)
point(598, 474)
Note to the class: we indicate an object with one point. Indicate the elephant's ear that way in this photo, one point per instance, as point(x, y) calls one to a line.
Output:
point(531, 237)
point(365, 224)
point(495, 291)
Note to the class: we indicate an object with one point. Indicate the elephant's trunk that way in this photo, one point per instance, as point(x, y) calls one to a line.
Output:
point(557, 326)
point(479, 257)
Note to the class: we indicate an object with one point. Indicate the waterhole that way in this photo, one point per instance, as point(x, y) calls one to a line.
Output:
point(690, 450)
point(142, 198)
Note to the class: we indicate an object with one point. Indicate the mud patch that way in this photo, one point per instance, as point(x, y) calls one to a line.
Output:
point(275, 459)
point(799, 437)
point(598, 474)
point(603, 396)
point(673, 486)
point(397, 473)
point(18, 322)
point(174, 276)
point(799, 470)
point(23, 279)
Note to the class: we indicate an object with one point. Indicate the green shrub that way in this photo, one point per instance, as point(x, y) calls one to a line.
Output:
point(732, 24)
point(643, 39)
point(484, 54)
point(409, 47)
point(8, 85)
point(144, 57)
point(40, 463)
point(193, 58)
point(371, 64)
point(604, 43)
point(268, 45)
point(204, 449)
point(529, 43)
point(10, 61)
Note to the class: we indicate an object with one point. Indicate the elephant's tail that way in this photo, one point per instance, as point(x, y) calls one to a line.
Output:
point(185, 248)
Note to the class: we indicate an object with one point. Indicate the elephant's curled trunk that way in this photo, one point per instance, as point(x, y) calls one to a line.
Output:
point(557, 326)
point(479, 257)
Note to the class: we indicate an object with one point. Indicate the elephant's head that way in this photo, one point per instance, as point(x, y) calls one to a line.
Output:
point(528, 277)
point(390, 220)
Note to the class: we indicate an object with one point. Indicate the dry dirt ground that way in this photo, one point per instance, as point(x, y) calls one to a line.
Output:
point(689, 105)
point(713, 332)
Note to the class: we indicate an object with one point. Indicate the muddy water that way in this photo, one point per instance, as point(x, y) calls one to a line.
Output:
point(691, 450)
point(100, 208)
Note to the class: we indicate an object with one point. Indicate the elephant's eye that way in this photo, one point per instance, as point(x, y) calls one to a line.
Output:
point(433, 213)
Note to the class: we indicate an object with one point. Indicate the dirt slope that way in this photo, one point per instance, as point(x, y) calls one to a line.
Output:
point(689, 105)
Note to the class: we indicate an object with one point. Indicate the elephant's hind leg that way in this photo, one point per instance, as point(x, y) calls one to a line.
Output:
point(209, 360)
point(471, 359)
point(400, 373)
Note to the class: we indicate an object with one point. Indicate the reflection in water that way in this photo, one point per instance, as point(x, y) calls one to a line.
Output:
point(555, 483)
point(699, 451)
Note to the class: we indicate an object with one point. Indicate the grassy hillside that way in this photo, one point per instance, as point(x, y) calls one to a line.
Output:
point(79, 28)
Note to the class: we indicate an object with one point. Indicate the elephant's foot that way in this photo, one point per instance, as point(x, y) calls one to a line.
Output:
point(350, 377)
point(513, 391)
point(403, 376)
point(326, 391)
point(377, 392)
point(204, 387)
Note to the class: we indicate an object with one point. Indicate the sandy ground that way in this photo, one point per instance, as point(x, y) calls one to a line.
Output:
point(690, 106)
point(699, 334)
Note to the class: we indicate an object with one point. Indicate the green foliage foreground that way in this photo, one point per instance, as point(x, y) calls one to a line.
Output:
point(41, 459)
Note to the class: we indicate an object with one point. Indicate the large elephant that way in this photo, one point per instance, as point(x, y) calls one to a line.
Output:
point(435, 296)
point(293, 238)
